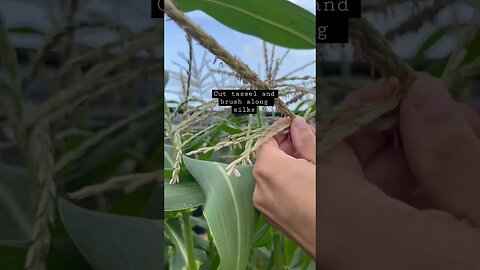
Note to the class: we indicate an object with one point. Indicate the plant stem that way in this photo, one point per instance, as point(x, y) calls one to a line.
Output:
point(259, 118)
point(279, 262)
point(187, 229)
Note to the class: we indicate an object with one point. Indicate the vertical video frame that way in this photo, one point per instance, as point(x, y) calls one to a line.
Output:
point(239, 73)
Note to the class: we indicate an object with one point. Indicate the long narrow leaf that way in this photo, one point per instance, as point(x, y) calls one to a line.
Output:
point(182, 196)
point(229, 210)
point(277, 21)
point(112, 241)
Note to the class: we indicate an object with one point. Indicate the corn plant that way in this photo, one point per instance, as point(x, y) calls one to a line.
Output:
point(209, 159)
point(219, 200)
point(84, 143)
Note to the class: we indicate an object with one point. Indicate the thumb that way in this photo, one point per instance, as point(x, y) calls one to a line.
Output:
point(441, 148)
point(303, 139)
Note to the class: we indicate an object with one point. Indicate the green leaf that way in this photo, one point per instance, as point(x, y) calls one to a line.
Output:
point(199, 222)
point(229, 210)
point(426, 46)
point(300, 260)
point(182, 196)
point(263, 235)
point(277, 21)
point(173, 230)
point(229, 129)
point(202, 136)
point(473, 49)
point(290, 248)
point(168, 158)
point(25, 30)
point(112, 241)
point(12, 257)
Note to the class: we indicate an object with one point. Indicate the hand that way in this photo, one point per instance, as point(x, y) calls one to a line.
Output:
point(285, 183)
point(364, 221)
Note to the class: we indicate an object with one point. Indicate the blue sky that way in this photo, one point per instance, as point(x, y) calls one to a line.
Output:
point(245, 47)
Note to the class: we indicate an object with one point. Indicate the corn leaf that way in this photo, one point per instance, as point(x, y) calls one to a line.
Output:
point(229, 210)
point(279, 22)
point(182, 196)
point(113, 241)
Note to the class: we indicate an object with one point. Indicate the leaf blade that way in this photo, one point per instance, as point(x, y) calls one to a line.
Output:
point(112, 241)
point(184, 195)
point(277, 21)
point(229, 210)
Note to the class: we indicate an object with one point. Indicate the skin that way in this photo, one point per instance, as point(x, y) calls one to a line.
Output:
point(367, 215)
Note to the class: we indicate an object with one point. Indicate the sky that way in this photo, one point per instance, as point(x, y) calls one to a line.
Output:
point(245, 47)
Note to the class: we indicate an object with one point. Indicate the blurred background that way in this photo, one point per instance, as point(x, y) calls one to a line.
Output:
point(81, 123)
point(423, 33)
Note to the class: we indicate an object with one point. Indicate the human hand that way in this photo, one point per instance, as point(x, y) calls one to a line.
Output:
point(365, 225)
point(285, 183)
point(381, 154)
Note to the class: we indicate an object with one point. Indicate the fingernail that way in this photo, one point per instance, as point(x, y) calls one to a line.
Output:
point(431, 101)
point(300, 123)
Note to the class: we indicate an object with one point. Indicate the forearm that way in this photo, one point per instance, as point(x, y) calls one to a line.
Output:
point(364, 229)
point(389, 235)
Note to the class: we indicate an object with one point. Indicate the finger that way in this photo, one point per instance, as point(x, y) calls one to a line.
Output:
point(269, 158)
point(272, 142)
point(283, 135)
point(270, 153)
point(283, 138)
point(288, 148)
point(281, 121)
point(367, 143)
point(441, 148)
point(342, 158)
point(390, 172)
point(378, 91)
point(286, 144)
point(266, 149)
point(303, 139)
